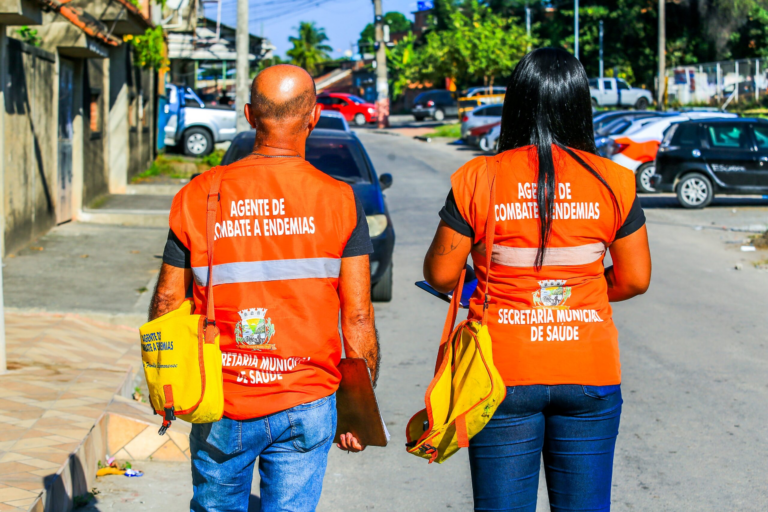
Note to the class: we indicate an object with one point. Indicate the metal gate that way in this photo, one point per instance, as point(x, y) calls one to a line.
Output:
point(66, 134)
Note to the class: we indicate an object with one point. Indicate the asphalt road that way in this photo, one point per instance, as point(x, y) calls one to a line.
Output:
point(694, 358)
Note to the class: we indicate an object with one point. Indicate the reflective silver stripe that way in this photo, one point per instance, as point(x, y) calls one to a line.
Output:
point(274, 270)
point(526, 256)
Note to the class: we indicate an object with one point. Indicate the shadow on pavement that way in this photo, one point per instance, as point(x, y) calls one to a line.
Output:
point(670, 201)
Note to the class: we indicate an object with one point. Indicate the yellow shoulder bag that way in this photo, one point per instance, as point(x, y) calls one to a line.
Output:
point(180, 351)
point(466, 389)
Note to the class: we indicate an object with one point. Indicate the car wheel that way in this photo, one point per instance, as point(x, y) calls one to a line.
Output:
point(594, 103)
point(360, 120)
point(439, 115)
point(643, 178)
point(485, 144)
point(642, 104)
point(197, 142)
point(694, 191)
point(382, 290)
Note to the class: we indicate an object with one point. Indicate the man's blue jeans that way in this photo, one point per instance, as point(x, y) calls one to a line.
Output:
point(292, 447)
point(574, 426)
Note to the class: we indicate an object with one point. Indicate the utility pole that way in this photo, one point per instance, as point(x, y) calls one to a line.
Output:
point(528, 24)
point(382, 86)
point(662, 57)
point(242, 38)
point(601, 49)
point(576, 28)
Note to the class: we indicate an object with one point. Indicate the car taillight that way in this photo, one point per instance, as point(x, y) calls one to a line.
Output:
point(430, 103)
point(465, 119)
point(619, 147)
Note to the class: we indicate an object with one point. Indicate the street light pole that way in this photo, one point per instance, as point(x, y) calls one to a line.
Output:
point(528, 24)
point(662, 57)
point(241, 46)
point(576, 28)
point(601, 49)
point(382, 86)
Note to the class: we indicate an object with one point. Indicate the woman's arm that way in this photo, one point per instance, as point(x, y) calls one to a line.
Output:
point(630, 274)
point(446, 258)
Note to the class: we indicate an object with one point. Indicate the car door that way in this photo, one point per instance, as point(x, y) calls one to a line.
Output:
point(760, 131)
point(625, 93)
point(729, 153)
point(343, 106)
point(609, 96)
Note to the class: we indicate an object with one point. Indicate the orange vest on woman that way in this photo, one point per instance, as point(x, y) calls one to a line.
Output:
point(552, 326)
point(281, 229)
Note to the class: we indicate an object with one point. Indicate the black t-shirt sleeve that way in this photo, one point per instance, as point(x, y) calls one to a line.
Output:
point(635, 220)
point(175, 254)
point(359, 242)
point(450, 215)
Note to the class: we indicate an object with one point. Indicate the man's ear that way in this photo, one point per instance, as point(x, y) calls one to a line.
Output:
point(315, 117)
point(249, 115)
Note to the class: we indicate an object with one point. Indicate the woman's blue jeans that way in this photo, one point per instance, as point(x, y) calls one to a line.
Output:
point(573, 426)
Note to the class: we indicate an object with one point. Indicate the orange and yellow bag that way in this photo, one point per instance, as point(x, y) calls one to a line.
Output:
point(180, 351)
point(466, 389)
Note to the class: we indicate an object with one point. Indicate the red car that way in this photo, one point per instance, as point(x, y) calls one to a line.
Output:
point(353, 108)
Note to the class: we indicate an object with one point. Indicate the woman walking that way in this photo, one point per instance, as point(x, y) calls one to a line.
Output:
point(558, 209)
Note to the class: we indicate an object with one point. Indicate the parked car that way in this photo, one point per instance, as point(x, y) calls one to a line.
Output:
point(341, 155)
point(482, 115)
point(615, 91)
point(194, 126)
point(353, 108)
point(619, 125)
point(490, 141)
point(636, 148)
point(437, 104)
point(332, 120)
point(701, 158)
point(485, 91)
point(476, 134)
point(600, 119)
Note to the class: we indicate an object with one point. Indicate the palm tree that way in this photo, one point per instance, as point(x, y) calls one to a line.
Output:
point(308, 49)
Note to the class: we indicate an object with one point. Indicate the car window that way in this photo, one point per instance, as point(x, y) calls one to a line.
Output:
point(494, 110)
point(444, 97)
point(607, 85)
point(421, 97)
point(623, 86)
point(356, 99)
point(339, 101)
point(593, 83)
point(728, 136)
point(615, 127)
point(191, 98)
point(342, 159)
point(330, 123)
point(686, 135)
point(324, 100)
point(482, 111)
point(761, 135)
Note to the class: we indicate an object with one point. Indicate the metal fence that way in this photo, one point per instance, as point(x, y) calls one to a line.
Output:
point(719, 83)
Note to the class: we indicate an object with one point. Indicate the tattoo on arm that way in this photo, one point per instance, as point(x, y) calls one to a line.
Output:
point(456, 239)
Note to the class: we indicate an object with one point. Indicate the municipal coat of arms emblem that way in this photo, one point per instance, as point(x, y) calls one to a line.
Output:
point(254, 330)
point(552, 294)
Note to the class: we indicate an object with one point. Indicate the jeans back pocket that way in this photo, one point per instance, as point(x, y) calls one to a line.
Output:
point(601, 392)
point(313, 423)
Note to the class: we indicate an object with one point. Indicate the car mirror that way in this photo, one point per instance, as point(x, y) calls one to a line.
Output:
point(385, 180)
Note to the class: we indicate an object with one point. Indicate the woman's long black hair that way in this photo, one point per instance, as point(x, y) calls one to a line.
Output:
point(548, 102)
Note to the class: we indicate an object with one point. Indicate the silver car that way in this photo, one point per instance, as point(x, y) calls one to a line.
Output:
point(481, 116)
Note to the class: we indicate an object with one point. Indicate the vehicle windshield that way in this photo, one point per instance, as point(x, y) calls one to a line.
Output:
point(341, 158)
point(421, 97)
point(615, 127)
point(355, 99)
point(331, 123)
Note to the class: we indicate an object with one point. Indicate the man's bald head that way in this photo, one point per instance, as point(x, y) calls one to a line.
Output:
point(281, 92)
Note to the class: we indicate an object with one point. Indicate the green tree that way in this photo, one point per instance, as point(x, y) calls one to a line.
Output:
point(402, 65)
point(265, 63)
point(309, 50)
point(397, 23)
point(149, 49)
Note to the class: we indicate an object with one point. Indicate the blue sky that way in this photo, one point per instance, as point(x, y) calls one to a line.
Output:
point(343, 20)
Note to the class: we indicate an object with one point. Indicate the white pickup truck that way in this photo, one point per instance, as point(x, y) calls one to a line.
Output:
point(196, 127)
point(613, 92)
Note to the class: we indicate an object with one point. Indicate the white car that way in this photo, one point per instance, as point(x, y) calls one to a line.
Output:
point(480, 116)
point(491, 140)
point(485, 91)
point(609, 92)
point(637, 146)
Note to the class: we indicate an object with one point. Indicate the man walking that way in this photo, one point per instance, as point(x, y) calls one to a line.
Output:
point(290, 259)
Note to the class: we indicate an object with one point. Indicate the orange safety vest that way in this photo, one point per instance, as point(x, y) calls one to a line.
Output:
point(552, 326)
point(280, 231)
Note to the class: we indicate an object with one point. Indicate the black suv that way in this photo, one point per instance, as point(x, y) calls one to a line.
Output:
point(698, 159)
point(437, 104)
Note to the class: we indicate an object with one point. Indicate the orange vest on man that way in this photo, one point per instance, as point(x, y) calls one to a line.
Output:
point(555, 325)
point(280, 231)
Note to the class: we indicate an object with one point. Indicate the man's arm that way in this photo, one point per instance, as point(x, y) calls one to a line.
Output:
point(357, 317)
point(171, 290)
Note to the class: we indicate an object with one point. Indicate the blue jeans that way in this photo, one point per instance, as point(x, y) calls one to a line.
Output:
point(574, 426)
point(292, 447)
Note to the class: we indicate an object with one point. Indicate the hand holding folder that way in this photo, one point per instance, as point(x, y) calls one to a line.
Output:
point(356, 406)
